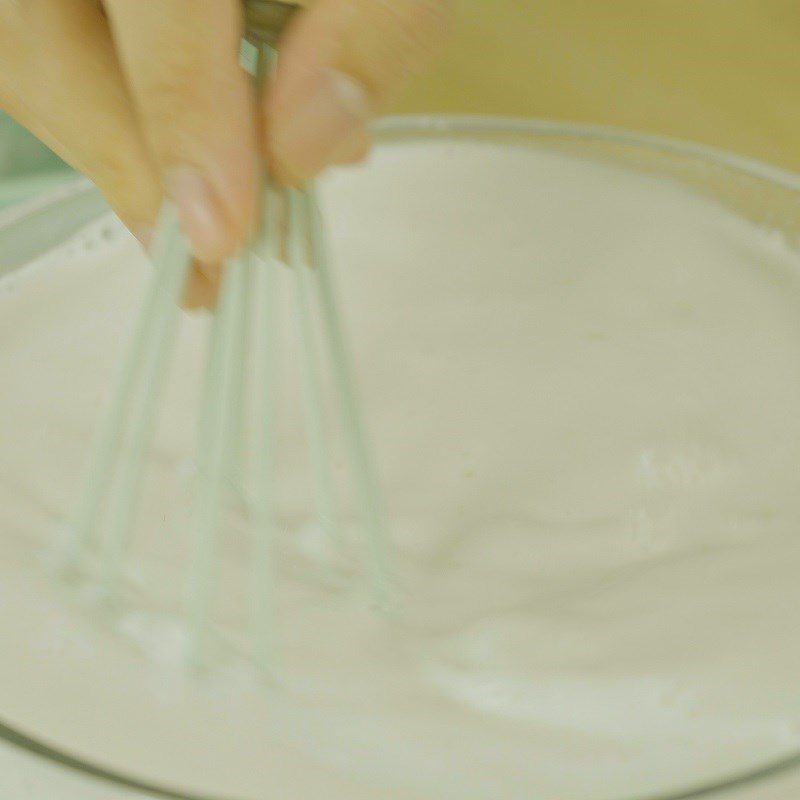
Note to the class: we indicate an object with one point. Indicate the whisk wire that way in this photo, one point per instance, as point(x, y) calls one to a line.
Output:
point(244, 324)
point(216, 445)
point(240, 381)
point(135, 402)
point(264, 259)
point(323, 481)
point(364, 475)
point(121, 512)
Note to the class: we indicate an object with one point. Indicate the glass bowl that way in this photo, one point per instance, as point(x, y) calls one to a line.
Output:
point(762, 194)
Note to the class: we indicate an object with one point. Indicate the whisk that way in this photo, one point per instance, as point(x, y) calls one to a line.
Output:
point(244, 318)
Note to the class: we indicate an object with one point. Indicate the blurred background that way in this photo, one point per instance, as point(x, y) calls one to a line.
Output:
point(721, 72)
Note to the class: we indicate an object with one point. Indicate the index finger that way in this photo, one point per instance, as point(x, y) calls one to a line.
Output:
point(196, 107)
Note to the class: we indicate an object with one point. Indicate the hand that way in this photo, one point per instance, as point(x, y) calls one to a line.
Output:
point(147, 98)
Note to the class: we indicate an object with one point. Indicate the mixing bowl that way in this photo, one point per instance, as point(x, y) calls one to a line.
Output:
point(768, 197)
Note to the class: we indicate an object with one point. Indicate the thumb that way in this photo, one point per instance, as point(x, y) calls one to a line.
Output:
point(341, 60)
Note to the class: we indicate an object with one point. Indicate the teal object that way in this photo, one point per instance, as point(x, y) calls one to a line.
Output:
point(112, 487)
point(27, 167)
point(49, 209)
point(30, 170)
point(147, 363)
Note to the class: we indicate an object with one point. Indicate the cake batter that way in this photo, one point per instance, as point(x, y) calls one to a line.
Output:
point(583, 386)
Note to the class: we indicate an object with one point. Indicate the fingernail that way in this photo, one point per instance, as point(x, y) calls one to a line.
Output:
point(202, 219)
point(308, 138)
point(352, 150)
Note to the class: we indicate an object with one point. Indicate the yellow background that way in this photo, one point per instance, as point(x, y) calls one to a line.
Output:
point(721, 72)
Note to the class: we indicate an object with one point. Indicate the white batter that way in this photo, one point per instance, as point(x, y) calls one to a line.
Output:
point(583, 384)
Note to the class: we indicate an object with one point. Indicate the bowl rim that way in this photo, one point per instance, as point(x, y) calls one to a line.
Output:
point(406, 124)
point(50, 206)
point(423, 126)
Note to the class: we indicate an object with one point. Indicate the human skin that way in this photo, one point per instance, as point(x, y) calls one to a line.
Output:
point(147, 98)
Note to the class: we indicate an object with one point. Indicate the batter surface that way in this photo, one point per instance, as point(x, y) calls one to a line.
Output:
point(583, 385)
